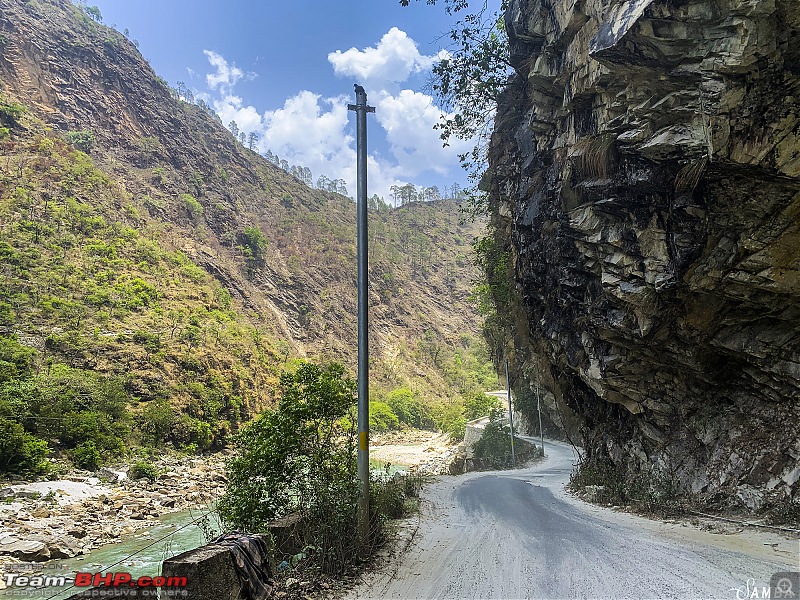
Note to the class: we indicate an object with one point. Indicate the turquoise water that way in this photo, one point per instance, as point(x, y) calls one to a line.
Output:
point(139, 554)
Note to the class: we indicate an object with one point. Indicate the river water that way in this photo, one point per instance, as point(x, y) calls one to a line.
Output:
point(139, 554)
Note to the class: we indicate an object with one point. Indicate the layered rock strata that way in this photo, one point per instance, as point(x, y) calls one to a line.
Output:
point(645, 174)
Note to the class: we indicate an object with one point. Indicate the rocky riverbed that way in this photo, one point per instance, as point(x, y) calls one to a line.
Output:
point(50, 520)
point(426, 452)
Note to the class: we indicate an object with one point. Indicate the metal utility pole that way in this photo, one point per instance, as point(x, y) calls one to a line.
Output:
point(539, 408)
point(361, 109)
point(510, 417)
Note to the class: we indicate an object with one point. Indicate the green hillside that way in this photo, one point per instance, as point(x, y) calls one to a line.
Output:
point(158, 276)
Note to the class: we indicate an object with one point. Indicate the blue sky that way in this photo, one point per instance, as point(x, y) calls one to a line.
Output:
point(285, 70)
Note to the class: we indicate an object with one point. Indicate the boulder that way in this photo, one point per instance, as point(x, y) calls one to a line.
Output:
point(32, 550)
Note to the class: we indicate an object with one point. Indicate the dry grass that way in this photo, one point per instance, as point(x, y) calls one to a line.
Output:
point(689, 176)
point(593, 156)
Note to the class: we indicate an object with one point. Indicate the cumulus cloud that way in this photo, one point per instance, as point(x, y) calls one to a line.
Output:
point(409, 120)
point(318, 132)
point(394, 59)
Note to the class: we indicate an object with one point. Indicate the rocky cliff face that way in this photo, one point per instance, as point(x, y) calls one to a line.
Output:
point(646, 178)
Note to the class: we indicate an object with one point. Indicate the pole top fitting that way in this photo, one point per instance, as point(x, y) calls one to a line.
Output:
point(361, 100)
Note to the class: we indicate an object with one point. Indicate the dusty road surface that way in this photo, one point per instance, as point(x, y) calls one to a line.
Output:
point(518, 534)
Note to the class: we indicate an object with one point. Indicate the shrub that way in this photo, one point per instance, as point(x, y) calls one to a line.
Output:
point(16, 360)
point(10, 112)
point(479, 405)
point(381, 417)
point(73, 406)
point(394, 497)
point(143, 470)
point(21, 452)
point(495, 442)
point(86, 456)
point(81, 140)
point(192, 206)
point(301, 457)
point(409, 410)
point(157, 421)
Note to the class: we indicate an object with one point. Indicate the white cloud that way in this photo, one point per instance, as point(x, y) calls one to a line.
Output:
point(227, 75)
point(408, 119)
point(394, 59)
point(317, 132)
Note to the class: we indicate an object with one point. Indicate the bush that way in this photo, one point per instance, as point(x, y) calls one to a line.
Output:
point(143, 470)
point(409, 410)
point(86, 456)
point(81, 140)
point(479, 405)
point(193, 207)
point(301, 458)
point(654, 492)
point(10, 112)
point(494, 444)
point(157, 421)
point(394, 497)
point(16, 360)
point(72, 406)
point(21, 452)
point(381, 417)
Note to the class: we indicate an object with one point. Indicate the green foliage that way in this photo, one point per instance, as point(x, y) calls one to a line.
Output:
point(655, 492)
point(81, 140)
point(11, 112)
point(192, 433)
point(197, 183)
point(93, 12)
point(86, 456)
point(394, 497)
point(479, 405)
point(5, 132)
point(381, 417)
point(21, 452)
point(192, 206)
point(156, 421)
point(468, 81)
point(301, 457)
point(149, 145)
point(253, 245)
point(68, 407)
point(16, 360)
point(495, 442)
point(409, 410)
point(143, 470)
point(450, 420)
point(493, 293)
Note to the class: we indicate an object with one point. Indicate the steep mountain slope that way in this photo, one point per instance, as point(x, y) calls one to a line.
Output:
point(141, 241)
point(646, 185)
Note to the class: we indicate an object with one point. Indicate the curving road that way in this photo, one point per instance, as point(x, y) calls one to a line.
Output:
point(518, 534)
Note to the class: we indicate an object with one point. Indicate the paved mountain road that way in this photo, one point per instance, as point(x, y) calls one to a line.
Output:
point(518, 534)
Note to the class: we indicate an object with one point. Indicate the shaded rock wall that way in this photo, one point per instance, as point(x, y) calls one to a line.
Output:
point(645, 171)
